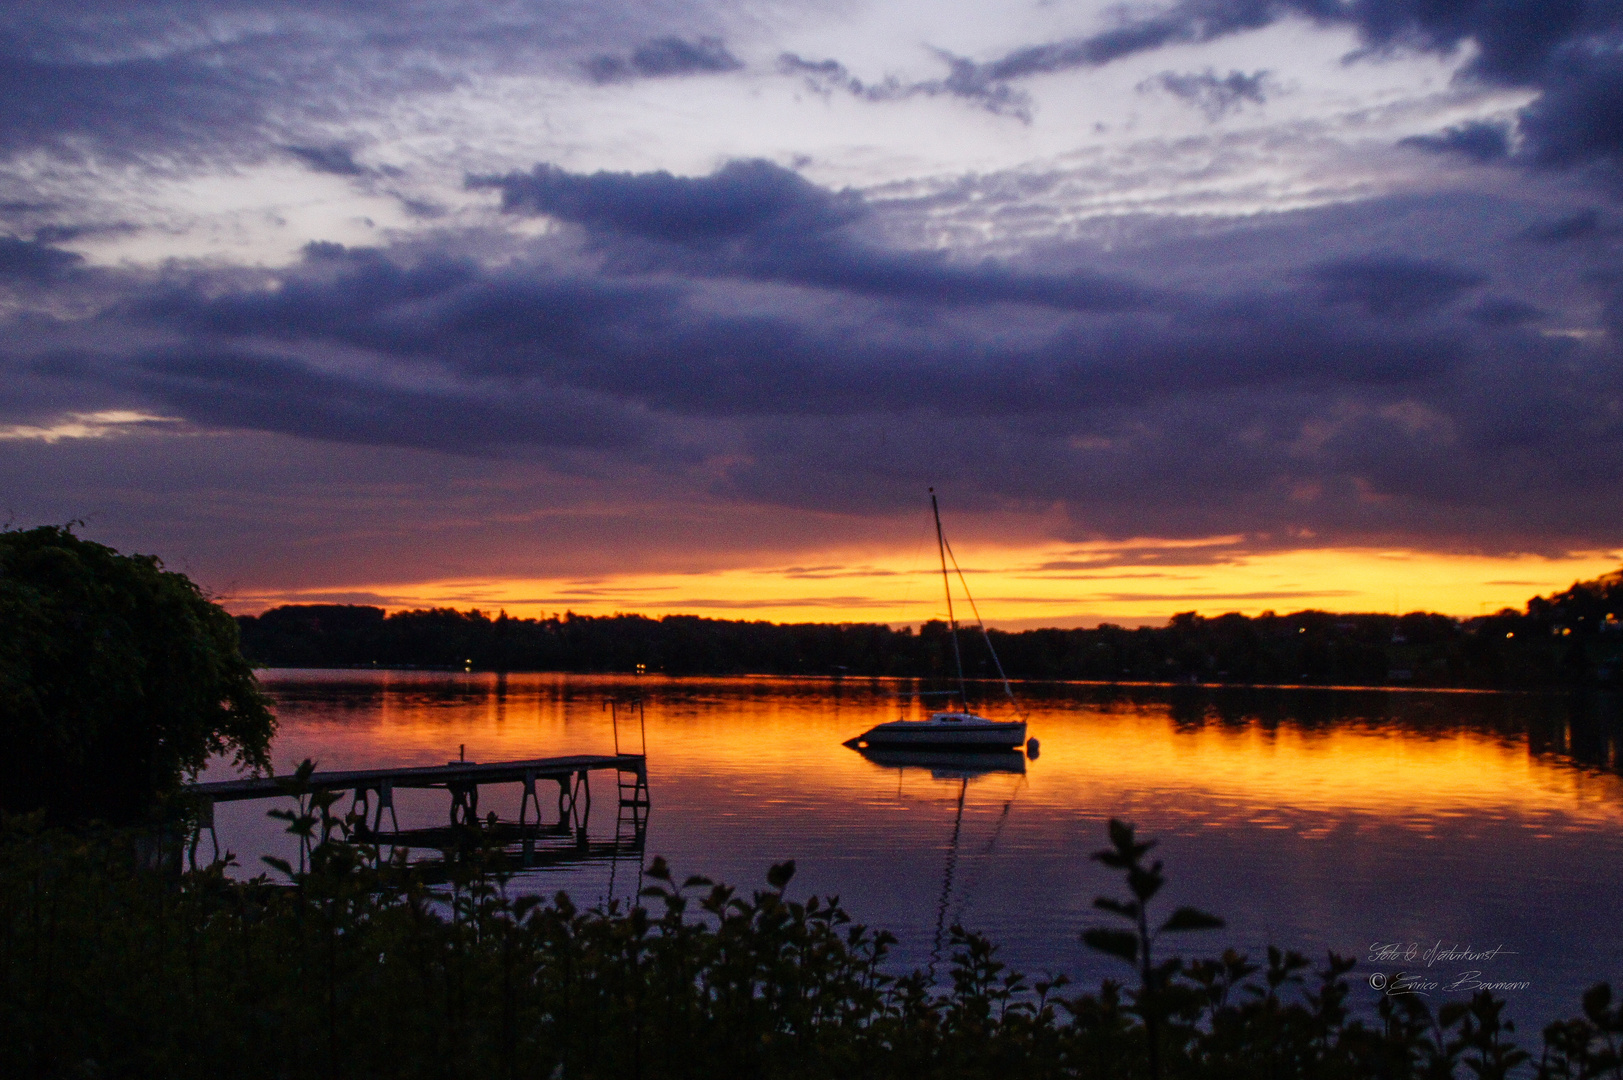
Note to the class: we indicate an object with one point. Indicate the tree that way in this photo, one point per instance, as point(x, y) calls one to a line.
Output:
point(118, 679)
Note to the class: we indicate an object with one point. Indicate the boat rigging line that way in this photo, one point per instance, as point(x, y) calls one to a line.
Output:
point(952, 622)
point(947, 553)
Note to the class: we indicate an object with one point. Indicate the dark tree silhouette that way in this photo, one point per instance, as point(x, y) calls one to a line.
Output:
point(117, 679)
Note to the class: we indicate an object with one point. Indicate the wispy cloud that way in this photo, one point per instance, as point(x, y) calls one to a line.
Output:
point(94, 425)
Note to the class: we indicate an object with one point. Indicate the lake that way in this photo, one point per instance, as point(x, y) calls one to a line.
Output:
point(1344, 820)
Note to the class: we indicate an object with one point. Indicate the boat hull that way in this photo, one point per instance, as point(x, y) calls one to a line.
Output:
point(990, 734)
point(947, 763)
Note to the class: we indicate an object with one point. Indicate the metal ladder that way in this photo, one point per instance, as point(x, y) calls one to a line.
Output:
point(631, 821)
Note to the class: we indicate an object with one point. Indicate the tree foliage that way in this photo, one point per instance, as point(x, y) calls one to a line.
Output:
point(1574, 638)
point(117, 679)
point(360, 968)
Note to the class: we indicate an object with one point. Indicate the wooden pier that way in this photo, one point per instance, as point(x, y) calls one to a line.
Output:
point(374, 794)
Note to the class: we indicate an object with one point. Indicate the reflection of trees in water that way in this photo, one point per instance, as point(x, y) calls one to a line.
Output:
point(1584, 726)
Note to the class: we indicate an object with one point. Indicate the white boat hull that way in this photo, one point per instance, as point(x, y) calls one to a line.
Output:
point(947, 762)
point(947, 730)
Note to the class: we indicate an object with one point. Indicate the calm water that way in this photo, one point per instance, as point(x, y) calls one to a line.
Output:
point(1316, 820)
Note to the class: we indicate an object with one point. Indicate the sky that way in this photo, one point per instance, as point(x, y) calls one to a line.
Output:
point(684, 305)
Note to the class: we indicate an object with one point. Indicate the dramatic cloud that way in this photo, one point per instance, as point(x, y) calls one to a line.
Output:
point(731, 331)
point(1566, 49)
point(589, 258)
point(223, 79)
point(826, 76)
point(757, 220)
point(1498, 311)
point(29, 260)
point(1213, 94)
point(121, 103)
point(1583, 225)
point(1480, 140)
point(338, 160)
point(965, 79)
point(1395, 286)
point(664, 57)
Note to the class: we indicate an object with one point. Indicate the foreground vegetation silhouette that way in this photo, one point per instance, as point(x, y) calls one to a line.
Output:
point(109, 969)
point(118, 680)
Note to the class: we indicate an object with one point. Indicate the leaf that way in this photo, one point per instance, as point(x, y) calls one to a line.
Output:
point(278, 864)
point(1113, 942)
point(1145, 883)
point(779, 876)
point(1188, 918)
point(1596, 1001)
point(1127, 910)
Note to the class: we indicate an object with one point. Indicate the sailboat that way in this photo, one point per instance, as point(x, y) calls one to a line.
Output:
point(958, 729)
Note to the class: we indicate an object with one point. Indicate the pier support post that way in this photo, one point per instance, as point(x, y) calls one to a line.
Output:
point(465, 804)
point(386, 802)
point(359, 807)
point(529, 798)
point(205, 820)
point(580, 798)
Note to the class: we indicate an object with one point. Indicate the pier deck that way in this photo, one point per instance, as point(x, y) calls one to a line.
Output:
point(374, 798)
point(453, 775)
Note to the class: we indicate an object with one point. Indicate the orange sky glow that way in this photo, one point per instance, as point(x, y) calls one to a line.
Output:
point(1014, 587)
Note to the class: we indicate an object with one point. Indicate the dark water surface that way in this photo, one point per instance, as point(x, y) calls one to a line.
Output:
point(1313, 819)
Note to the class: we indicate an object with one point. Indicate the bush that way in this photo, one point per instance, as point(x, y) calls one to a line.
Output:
point(117, 678)
point(360, 969)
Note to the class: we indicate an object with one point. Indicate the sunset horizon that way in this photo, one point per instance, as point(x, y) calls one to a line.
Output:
point(1060, 586)
point(1180, 306)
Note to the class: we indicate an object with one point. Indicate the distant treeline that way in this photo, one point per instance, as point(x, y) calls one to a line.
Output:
point(1571, 638)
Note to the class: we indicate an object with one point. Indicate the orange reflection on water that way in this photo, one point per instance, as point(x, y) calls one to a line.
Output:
point(1353, 769)
point(1309, 819)
point(781, 739)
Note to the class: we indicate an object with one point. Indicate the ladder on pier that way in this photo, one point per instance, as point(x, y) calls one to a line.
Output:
point(632, 774)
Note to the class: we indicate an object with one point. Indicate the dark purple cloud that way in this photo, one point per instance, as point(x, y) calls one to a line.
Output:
point(826, 76)
point(232, 389)
point(741, 200)
point(1583, 225)
point(215, 79)
point(1360, 397)
point(1499, 311)
point(335, 159)
point(122, 105)
point(1516, 39)
point(1395, 285)
point(1480, 140)
point(1579, 117)
point(1568, 50)
point(34, 262)
point(664, 57)
point(1214, 94)
point(757, 220)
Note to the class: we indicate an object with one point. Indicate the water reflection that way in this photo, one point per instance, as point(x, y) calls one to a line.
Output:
point(1317, 820)
point(946, 764)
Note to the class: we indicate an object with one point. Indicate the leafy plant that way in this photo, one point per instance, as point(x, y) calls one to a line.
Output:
point(1157, 998)
point(361, 967)
point(117, 679)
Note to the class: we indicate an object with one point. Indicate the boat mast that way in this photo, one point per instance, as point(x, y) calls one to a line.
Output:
point(957, 656)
